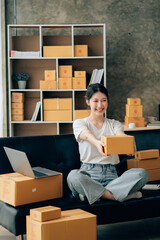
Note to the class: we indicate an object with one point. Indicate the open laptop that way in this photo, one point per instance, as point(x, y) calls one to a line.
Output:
point(20, 164)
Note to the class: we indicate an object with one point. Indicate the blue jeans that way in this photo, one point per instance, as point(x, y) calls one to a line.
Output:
point(93, 180)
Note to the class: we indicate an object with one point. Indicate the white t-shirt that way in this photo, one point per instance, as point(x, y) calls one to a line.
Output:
point(88, 152)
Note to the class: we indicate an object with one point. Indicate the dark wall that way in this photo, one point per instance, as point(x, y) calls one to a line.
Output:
point(132, 40)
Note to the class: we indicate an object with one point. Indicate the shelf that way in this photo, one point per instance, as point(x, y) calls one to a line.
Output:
point(26, 38)
point(141, 128)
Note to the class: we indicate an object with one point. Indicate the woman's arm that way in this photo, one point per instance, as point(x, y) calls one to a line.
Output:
point(88, 136)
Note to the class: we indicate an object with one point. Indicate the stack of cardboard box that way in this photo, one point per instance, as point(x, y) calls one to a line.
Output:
point(50, 80)
point(57, 109)
point(79, 80)
point(134, 112)
point(17, 106)
point(149, 160)
point(49, 223)
point(65, 77)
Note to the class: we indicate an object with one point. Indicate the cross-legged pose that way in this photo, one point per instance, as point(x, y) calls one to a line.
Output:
point(97, 177)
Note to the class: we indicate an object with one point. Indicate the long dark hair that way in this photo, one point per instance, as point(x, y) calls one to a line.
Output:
point(94, 88)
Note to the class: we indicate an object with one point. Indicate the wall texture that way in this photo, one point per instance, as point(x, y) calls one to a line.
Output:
point(132, 40)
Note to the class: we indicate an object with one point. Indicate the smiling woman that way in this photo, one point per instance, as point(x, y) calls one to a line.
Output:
point(97, 177)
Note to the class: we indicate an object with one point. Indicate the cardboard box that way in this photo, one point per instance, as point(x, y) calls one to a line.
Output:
point(134, 101)
point(57, 51)
point(57, 103)
point(18, 117)
point(153, 163)
point(79, 83)
point(147, 154)
point(17, 189)
point(17, 105)
point(134, 111)
point(78, 114)
point(17, 97)
point(154, 174)
point(118, 144)
point(80, 74)
point(152, 166)
point(139, 121)
point(50, 74)
point(81, 50)
point(73, 225)
point(58, 115)
point(45, 213)
point(48, 84)
point(65, 83)
point(17, 111)
point(65, 71)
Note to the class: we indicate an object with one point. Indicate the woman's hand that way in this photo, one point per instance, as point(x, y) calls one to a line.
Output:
point(100, 146)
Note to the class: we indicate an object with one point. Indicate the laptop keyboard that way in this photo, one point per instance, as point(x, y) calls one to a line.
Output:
point(39, 174)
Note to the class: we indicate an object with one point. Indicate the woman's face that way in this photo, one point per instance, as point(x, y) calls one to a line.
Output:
point(98, 103)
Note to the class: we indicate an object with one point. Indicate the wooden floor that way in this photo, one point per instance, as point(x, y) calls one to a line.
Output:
point(137, 230)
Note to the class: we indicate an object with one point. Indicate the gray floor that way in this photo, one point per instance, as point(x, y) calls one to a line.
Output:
point(143, 229)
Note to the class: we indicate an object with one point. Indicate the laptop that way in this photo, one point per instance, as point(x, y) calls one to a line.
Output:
point(20, 164)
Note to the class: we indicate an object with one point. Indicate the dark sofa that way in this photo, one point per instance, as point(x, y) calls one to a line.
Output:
point(60, 153)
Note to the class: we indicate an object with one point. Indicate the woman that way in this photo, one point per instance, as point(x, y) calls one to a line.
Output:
point(97, 178)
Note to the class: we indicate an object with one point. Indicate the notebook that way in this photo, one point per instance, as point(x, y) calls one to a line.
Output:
point(20, 163)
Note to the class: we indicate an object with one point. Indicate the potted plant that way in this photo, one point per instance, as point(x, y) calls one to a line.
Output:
point(21, 79)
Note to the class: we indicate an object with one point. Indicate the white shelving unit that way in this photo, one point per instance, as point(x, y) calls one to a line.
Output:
point(33, 38)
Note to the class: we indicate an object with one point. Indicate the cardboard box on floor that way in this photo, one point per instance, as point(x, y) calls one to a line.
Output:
point(45, 213)
point(118, 144)
point(147, 154)
point(17, 189)
point(73, 224)
point(152, 166)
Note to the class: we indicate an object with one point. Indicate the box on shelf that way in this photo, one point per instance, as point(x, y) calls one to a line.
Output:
point(17, 189)
point(17, 111)
point(154, 174)
point(65, 71)
point(50, 75)
point(73, 224)
point(80, 74)
point(57, 103)
point(65, 83)
point(134, 111)
point(48, 84)
point(25, 54)
point(147, 154)
point(57, 51)
point(118, 144)
point(17, 117)
point(47, 213)
point(58, 115)
point(81, 50)
point(134, 101)
point(17, 97)
point(79, 83)
point(78, 114)
point(17, 105)
point(139, 121)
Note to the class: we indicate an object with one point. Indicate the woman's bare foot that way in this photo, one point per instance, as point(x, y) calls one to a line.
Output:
point(108, 195)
